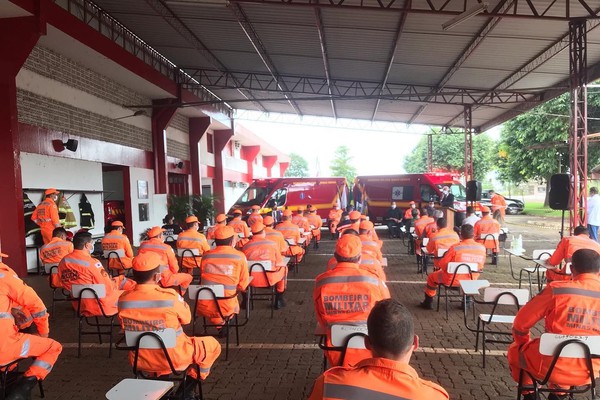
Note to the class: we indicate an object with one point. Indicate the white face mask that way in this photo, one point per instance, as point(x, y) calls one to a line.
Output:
point(91, 249)
point(393, 206)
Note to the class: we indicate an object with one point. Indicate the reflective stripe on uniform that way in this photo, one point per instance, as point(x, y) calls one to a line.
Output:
point(6, 315)
point(145, 304)
point(189, 239)
point(467, 247)
point(348, 392)
point(39, 314)
point(221, 255)
point(113, 237)
point(154, 246)
point(258, 243)
point(76, 261)
point(42, 364)
point(577, 291)
point(348, 279)
point(24, 349)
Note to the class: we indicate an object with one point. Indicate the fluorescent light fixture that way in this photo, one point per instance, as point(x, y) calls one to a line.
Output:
point(460, 18)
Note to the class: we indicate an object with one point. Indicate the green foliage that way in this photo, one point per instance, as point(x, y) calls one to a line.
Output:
point(449, 155)
point(183, 206)
point(341, 165)
point(298, 167)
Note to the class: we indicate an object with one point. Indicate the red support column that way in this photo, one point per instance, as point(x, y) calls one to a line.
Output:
point(128, 203)
point(268, 162)
point(249, 153)
point(18, 36)
point(221, 139)
point(283, 167)
point(162, 113)
point(197, 128)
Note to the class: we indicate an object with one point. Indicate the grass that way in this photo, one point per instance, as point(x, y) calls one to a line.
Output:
point(538, 209)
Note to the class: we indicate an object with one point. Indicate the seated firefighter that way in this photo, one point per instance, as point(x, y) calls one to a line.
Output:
point(484, 229)
point(564, 252)
point(386, 375)
point(150, 307)
point(116, 240)
point(291, 233)
point(567, 307)
point(14, 293)
point(54, 251)
point(192, 239)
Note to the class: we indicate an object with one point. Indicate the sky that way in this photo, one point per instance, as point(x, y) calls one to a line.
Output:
point(374, 152)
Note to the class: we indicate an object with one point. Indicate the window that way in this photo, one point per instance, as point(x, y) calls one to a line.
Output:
point(402, 193)
point(209, 143)
point(428, 193)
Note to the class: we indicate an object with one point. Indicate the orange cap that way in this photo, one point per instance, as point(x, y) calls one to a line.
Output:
point(485, 209)
point(116, 224)
point(51, 191)
point(155, 231)
point(237, 212)
point(348, 246)
point(224, 232)
point(257, 227)
point(146, 261)
point(300, 208)
point(190, 219)
point(255, 207)
point(221, 218)
point(287, 213)
point(354, 215)
point(367, 225)
point(268, 220)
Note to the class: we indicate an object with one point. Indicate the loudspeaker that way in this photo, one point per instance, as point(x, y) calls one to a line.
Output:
point(560, 191)
point(71, 144)
point(473, 191)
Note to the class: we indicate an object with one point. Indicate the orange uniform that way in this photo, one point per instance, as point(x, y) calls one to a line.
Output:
point(346, 294)
point(277, 237)
point(371, 247)
point(408, 213)
point(149, 307)
point(210, 233)
point(375, 378)
point(240, 227)
point(254, 217)
point(498, 203)
point(46, 216)
point(262, 249)
point(420, 225)
point(191, 239)
point(564, 251)
point(442, 239)
point(228, 267)
point(14, 293)
point(315, 220)
point(467, 251)
point(291, 231)
point(567, 307)
point(79, 267)
point(170, 276)
point(116, 240)
point(52, 253)
point(487, 225)
point(367, 262)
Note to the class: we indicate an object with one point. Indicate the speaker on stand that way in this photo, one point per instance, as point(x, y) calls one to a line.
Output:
point(560, 195)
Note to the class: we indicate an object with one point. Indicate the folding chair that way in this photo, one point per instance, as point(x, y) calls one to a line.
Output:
point(9, 374)
point(422, 258)
point(264, 267)
point(537, 269)
point(97, 292)
point(171, 240)
point(454, 268)
point(145, 389)
point(563, 346)
point(344, 337)
point(161, 340)
point(492, 237)
point(294, 263)
point(215, 293)
point(495, 297)
point(194, 254)
point(51, 270)
point(503, 236)
point(115, 254)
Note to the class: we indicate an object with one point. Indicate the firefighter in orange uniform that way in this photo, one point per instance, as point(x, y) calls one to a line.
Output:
point(387, 375)
point(346, 293)
point(220, 219)
point(254, 215)
point(290, 232)
point(116, 240)
point(498, 203)
point(369, 245)
point(442, 239)
point(259, 248)
point(467, 251)
point(420, 225)
point(14, 293)
point(241, 229)
point(54, 251)
point(169, 276)
point(315, 222)
point(333, 219)
point(79, 267)
point(564, 251)
point(46, 214)
point(225, 266)
point(432, 228)
point(567, 308)
point(274, 235)
point(352, 223)
point(150, 307)
point(367, 261)
point(488, 226)
point(192, 239)
point(302, 222)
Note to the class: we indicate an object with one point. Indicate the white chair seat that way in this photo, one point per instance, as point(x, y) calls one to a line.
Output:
point(188, 252)
point(534, 269)
point(266, 264)
point(218, 290)
point(499, 319)
point(139, 389)
point(340, 332)
point(114, 253)
point(48, 267)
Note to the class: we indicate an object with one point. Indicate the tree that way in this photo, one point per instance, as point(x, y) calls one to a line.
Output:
point(298, 167)
point(341, 164)
point(449, 155)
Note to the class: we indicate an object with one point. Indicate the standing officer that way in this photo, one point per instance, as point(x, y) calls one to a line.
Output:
point(498, 203)
point(564, 252)
point(54, 251)
point(116, 240)
point(46, 214)
point(192, 239)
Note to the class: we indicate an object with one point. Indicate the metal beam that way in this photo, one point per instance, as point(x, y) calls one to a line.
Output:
point(323, 42)
point(555, 11)
point(260, 49)
point(169, 16)
point(393, 50)
point(468, 115)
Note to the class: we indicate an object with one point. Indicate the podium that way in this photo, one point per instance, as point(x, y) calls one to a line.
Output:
point(449, 214)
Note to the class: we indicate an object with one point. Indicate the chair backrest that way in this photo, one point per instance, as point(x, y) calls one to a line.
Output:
point(466, 267)
point(290, 242)
point(78, 291)
point(490, 294)
point(425, 241)
point(167, 335)
point(504, 230)
point(241, 235)
point(340, 332)
point(441, 252)
point(188, 252)
point(116, 253)
point(206, 292)
point(549, 343)
point(51, 268)
point(411, 229)
point(266, 264)
point(171, 238)
point(567, 269)
point(542, 254)
point(489, 236)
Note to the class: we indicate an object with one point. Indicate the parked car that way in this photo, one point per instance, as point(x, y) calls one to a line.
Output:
point(513, 206)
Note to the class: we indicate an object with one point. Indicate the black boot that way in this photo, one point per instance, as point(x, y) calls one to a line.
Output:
point(279, 301)
point(188, 390)
point(22, 390)
point(494, 258)
point(244, 303)
point(316, 244)
point(427, 303)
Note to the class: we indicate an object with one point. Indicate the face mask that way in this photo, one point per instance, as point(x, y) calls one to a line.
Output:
point(393, 206)
point(91, 249)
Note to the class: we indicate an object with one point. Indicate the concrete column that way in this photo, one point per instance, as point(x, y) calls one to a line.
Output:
point(268, 163)
point(221, 138)
point(249, 153)
point(162, 112)
point(197, 127)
